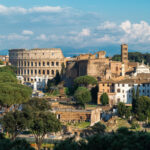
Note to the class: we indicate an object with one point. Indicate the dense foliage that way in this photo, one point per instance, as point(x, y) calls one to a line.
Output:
point(123, 111)
point(135, 57)
point(143, 108)
point(40, 120)
point(104, 99)
point(120, 140)
point(18, 144)
point(14, 123)
point(82, 95)
point(85, 81)
point(12, 94)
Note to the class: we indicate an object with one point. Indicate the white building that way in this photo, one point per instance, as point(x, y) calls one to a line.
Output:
point(142, 68)
point(121, 91)
point(124, 89)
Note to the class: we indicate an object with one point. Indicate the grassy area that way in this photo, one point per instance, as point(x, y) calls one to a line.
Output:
point(55, 93)
point(91, 105)
point(82, 125)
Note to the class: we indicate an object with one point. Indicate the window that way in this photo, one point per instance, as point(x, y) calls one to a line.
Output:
point(39, 71)
point(52, 63)
point(24, 71)
point(28, 63)
point(35, 71)
point(31, 63)
point(47, 71)
point(118, 90)
point(43, 63)
point(31, 71)
point(52, 72)
point(28, 71)
point(57, 63)
point(43, 71)
point(35, 63)
point(57, 71)
point(39, 64)
point(122, 85)
point(47, 63)
point(25, 63)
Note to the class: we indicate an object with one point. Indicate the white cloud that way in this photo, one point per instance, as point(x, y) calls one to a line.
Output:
point(126, 26)
point(42, 37)
point(107, 25)
point(15, 36)
point(10, 10)
point(47, 9)
point(85, 32)
point(27, 32)
point(20, 10)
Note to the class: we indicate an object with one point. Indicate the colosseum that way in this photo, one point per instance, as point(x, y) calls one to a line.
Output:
point(37, 65)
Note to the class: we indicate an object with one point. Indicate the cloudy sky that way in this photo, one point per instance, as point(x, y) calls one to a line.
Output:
point(75, 25)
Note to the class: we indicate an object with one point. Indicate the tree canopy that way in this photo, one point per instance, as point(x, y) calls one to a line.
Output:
point(82, 95)
point(135, 57)
point(123, 139)
point(14, 123)
point(12, 93)
point(143, 108)
point(40, 120)
point(85, 81)
point(104, 99)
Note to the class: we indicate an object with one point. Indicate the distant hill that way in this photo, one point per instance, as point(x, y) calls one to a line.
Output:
point(3, 52)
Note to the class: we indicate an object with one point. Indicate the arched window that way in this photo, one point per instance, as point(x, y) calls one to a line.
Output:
point(57, 63)
point(52, 63)
point(52, 72)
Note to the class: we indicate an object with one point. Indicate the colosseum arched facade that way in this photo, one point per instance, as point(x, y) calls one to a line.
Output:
point(37, 64)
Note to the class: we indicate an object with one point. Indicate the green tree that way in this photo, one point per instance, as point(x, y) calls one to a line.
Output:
point(63, 69)
point(99, 128)
point(104, 99)
point(43, 123)
point(9, 69)
point(143, 108)
point(133, 100)
point(14, 123)
point(94, 92)
point(85, 81)
point(12, 94)
point(18, 144)
point(37, 104)
point(137, 93)
point(40, 120)
point(7, 77)
point(57, 78)
point(128, 112)
point(82, 95)
point(121, 109)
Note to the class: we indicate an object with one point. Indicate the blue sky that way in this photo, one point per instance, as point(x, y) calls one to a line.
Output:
point(75, 25)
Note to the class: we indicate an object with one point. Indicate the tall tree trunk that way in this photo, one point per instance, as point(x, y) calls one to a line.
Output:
point(39, 143)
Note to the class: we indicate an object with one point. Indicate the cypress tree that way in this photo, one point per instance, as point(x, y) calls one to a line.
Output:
point(133, 100)
point(137, 92)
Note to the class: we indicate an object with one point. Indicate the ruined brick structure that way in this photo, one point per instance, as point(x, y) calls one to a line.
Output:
point(76, 115)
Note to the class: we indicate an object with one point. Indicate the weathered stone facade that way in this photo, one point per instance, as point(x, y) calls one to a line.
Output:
point(75, 115)
point(37, 64)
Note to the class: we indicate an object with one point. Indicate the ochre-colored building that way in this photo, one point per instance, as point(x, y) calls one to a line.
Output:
point(37, 64)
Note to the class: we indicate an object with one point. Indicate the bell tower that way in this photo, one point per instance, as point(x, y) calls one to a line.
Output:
point(124, 53)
